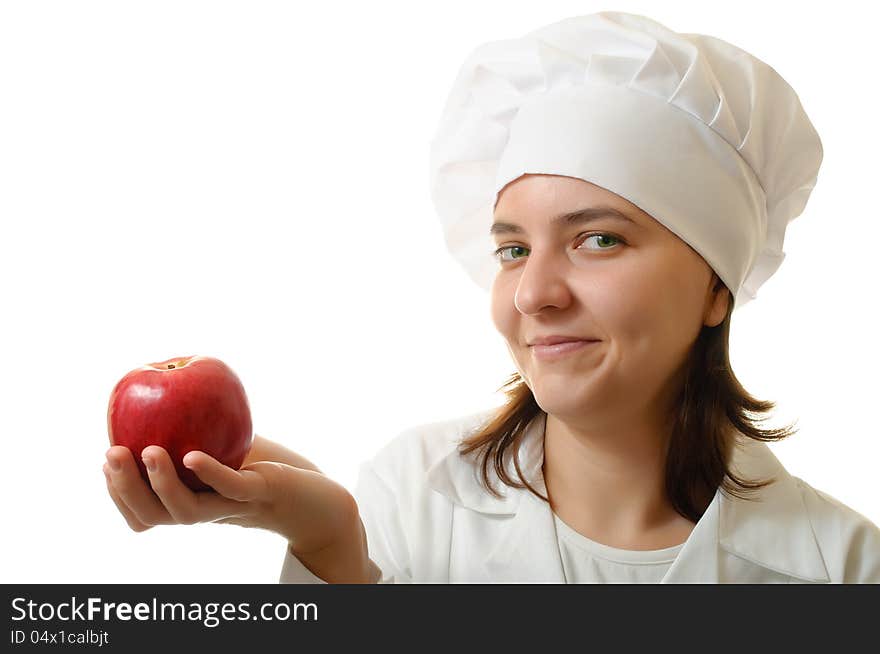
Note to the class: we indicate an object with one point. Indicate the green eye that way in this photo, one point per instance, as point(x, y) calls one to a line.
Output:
point(512, 248)
point(606, 242)
point(604, 237)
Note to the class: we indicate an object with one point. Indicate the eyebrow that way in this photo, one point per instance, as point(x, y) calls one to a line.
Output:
point(577, 217)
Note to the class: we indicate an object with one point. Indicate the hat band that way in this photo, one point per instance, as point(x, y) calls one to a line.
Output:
point(655, 155)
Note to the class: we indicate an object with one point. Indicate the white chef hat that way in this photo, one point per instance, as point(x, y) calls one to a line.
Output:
point(701, 135)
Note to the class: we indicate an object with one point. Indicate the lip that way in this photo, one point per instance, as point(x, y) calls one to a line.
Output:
point(553, 339)
point(559, 350)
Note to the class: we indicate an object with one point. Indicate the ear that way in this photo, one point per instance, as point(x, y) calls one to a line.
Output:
point(717, 302)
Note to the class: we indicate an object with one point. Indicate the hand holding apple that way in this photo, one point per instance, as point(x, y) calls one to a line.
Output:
point(241, 497)
point(182, 404)
point(318, 517)
point(184, 425)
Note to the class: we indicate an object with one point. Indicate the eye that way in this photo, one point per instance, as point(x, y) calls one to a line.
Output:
point(606, 241)
point(603, 237)
point(504, 248)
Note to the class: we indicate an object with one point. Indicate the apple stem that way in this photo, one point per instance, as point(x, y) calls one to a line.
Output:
point(170, 365)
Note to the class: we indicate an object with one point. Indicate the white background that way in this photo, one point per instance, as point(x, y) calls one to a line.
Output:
point(248, 180)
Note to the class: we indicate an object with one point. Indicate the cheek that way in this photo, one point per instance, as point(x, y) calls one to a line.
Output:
point(506, 319)
point(656, 314)
point(640, 312)
point(502, 309)
point(623, 301)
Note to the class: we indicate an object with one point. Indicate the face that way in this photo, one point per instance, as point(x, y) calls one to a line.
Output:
point(633, 286)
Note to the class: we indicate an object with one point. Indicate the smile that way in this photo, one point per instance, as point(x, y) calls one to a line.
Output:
point(559, 350)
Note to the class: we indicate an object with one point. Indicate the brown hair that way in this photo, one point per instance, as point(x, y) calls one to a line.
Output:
point(712, 406)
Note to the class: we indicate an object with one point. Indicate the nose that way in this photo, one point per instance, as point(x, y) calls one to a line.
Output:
point(542, 284)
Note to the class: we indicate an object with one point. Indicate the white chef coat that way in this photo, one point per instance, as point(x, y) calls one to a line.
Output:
point(429, 519)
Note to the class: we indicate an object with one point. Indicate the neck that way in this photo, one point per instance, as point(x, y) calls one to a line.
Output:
point(609, 483)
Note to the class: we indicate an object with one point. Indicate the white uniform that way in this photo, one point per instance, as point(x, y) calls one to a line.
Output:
point(584, 561)
point(429, 520)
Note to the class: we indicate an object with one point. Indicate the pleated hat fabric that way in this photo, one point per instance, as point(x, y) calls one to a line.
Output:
point(706, 138)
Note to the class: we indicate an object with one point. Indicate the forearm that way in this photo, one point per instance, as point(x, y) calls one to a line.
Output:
point(317, 516)
point(346, 562)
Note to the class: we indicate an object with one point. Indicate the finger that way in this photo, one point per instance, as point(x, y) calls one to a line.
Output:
point(130, 518)
point(177, 498)
point(184, 505)
point(132, 490)
point(241, 485)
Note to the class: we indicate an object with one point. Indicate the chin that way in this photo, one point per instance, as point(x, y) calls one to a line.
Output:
point(564, 395)
point(556, 400)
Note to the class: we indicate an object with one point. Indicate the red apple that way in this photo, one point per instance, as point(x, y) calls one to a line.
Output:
point(183, 404)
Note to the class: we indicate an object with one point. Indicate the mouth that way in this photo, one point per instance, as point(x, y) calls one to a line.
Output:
point(553, 351)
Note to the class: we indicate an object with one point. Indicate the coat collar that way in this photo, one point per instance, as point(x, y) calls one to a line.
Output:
point(771, 530)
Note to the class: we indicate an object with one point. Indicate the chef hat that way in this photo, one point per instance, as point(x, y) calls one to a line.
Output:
point(701, 135)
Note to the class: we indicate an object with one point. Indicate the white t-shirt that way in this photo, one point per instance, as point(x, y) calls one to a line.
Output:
point(585, 561)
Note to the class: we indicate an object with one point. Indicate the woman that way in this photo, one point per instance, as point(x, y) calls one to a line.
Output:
point(620, 189)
